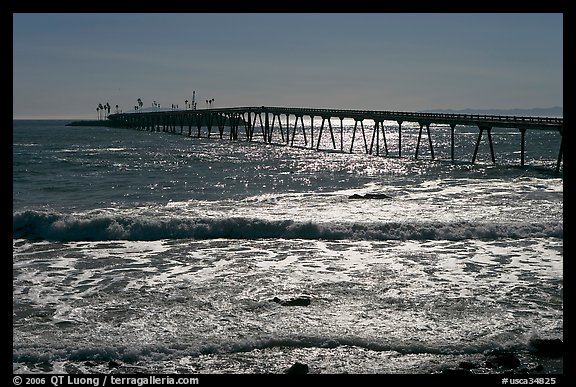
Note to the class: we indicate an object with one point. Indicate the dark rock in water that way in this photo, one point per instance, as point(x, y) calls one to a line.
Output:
point(503, 359)
point(297, 368)
point(547, 347)
point(370, 196)
point(537, 368)
point(457, 371)
point(113, 364)
point(298, 301)
point(45, 366)
point(467, 365)
point(72, 369)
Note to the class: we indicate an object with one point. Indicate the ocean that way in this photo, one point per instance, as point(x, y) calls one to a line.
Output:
point(151, 252)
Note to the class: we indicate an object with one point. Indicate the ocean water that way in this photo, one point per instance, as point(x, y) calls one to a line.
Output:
point(151, 252)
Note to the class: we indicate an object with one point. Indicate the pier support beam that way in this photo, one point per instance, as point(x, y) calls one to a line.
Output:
point(210, 122)
point(561, 152)
point(220, 122)
point(268, 136)
point(399, 138)
point(353, 135)
point(429, 139)
point(488, 129)
point(452, 126)
point(320, 133)
point(287, 128)
point(364, 136)
point(341, 134)
point(312, 131)
point(522, 145)
point(384, 137)
point(376, 134)
point(303, 130)
point(199, 123)
point(331, 132)
point(272, 126)
point(247, 123)
point(264, 132)
point(356, 120)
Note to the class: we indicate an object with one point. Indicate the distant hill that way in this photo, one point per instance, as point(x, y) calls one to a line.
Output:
point(555, 111)
point(106, 123)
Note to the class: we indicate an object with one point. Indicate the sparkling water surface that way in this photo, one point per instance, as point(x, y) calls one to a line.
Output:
point(163, 253)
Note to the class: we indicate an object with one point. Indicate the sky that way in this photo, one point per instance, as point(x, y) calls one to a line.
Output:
point(65, 64)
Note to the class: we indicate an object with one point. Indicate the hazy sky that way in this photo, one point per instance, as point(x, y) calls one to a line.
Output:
point(65, 64)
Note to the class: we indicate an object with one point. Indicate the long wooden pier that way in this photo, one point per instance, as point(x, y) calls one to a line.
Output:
point(265, 118)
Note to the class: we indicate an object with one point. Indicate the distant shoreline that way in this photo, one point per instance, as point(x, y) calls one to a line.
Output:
point(104, 123)
point(555, 111)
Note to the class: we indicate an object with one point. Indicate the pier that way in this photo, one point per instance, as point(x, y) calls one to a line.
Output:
point(251, 122)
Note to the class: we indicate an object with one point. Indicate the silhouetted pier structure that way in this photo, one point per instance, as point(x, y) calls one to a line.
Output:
point(266, 118)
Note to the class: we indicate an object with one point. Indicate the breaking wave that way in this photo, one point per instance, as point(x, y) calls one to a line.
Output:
point(37, 225)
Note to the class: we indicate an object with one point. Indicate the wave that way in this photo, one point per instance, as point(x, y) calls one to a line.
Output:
point(159, 352)
point(51, 226)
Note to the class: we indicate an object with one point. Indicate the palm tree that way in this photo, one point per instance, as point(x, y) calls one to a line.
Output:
point(186, 104)
point(107, 107)
point(101, 107)
point(116, 109)
point(140, 103)
point(98, 112)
